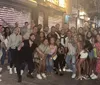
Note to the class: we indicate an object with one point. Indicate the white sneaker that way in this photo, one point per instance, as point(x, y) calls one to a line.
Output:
point(43, 75)
point(39, 76)
point(94, 77)
point(64, 69)
point(73, 75)
point(22, 72)
point(10, 71)
point(8, 67)
point(0, 69)
point(60, 70)
point(68, 70)
point(15, 71)
point(0, 75)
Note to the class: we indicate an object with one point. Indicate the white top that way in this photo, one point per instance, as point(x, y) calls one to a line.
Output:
point(62, 40)
point(14, 41)
point(83, 54)
point(72, 49)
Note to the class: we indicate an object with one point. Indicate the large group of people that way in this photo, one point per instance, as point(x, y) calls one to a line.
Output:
point(48, 53)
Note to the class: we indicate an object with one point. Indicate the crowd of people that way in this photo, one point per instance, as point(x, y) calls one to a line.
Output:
point(62, 49)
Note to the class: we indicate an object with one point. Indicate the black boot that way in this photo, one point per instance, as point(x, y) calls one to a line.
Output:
point(30, 75)
point(20, 79)
point(61, 73)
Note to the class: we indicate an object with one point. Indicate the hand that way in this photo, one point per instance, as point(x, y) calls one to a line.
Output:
point(19, 49)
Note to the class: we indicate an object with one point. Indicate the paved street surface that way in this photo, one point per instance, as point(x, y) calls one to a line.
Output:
point(51, 80)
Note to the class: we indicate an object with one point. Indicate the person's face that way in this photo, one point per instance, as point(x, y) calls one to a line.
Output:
point(57, 27)
point(75, 38)
point(52, 41)
point(95, 32)
point(16, 31)
point(35, 30)
point(52, 30)
point(46, 29)
point(73, 30)
point(32, 38)
point(40, 27)
point(46, 42)
point(89, 34)
point(69, 34)
point(26, 24)
point(80, 30)
point(98, 38)
point(41, 34)
point(7, 30)
point(80, 38)
point(62, 31)
point(16, 24)
point(2, 29)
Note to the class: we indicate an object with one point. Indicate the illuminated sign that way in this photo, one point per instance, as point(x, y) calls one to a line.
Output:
point(33, 1)
point(54, 1)
point(60, 3)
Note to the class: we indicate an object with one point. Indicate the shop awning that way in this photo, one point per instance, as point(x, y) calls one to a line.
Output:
point(27, 2)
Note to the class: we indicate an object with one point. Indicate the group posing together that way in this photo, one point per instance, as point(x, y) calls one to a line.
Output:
point(72, 50)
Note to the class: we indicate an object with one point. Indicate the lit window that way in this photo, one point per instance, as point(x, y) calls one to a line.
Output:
point(33, 1)
point(62, 3)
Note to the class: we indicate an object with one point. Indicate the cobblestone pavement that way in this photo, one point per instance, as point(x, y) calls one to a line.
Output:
point(8, 79)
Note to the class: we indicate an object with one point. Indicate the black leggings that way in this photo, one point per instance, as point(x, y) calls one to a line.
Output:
point(13, 57)
point(59, 62)
point(19, 66)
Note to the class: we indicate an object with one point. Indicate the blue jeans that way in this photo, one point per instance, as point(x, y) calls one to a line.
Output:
point(49, 64)
point(91, 54)
point(70, 61)
point(4, 56)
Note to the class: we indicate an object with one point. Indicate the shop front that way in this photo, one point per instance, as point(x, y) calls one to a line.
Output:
point(52, 12)
point(14, 11)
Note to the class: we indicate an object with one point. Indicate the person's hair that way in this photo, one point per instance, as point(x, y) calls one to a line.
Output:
point(26, 22)
point(45, 39)
point(43, 34)
point(82, 36)
point(39, 24)
point(79, 29)
point(52, 27)
point(69, 31)
point(5, 32)
point(35, 26)
point(88, 33)
point(96, 38)
point(32, 34)
point(54, 40)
